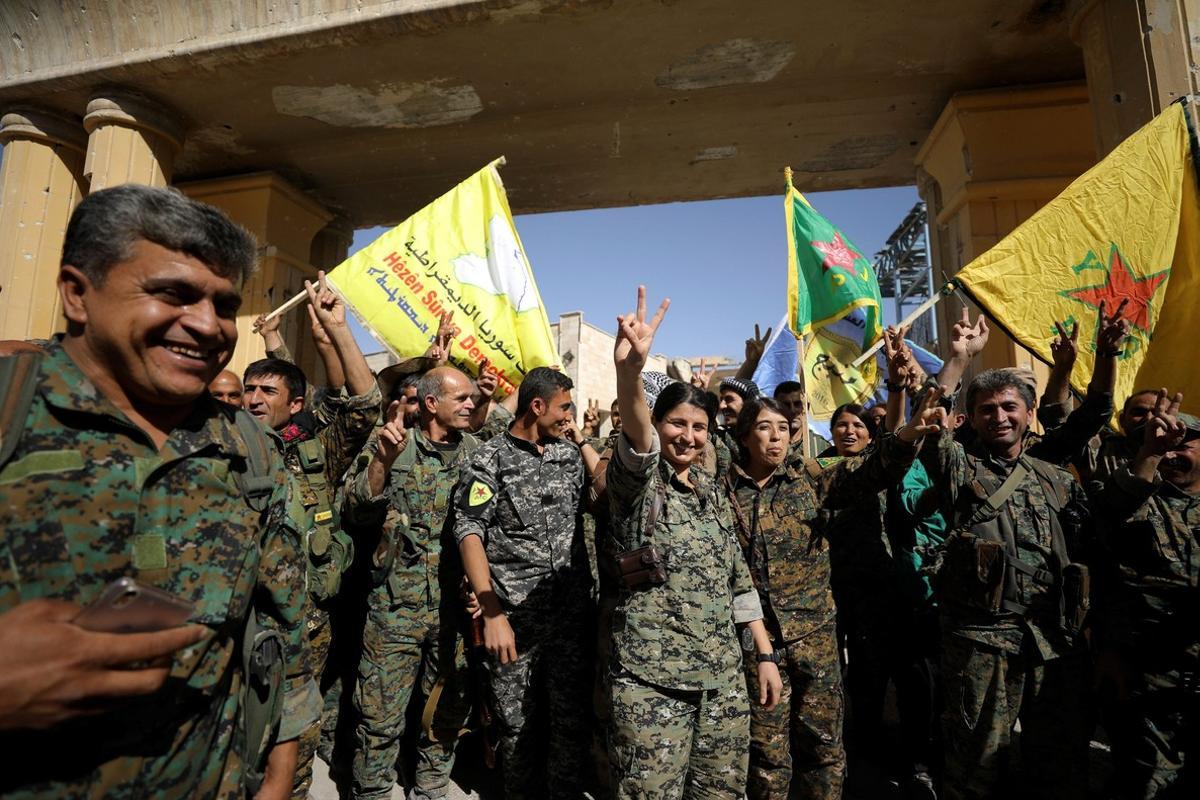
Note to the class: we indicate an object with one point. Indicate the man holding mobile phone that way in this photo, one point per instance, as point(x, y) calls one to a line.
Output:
point(116, 462)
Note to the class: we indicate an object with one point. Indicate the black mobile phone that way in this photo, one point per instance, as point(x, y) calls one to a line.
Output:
point(127, 606)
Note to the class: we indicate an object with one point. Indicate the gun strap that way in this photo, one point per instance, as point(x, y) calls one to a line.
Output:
point(18, 382)
point(445, 670)
point(996, 500)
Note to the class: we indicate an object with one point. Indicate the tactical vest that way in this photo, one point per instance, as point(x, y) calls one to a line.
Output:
point(330, 549)
point(981, 570)
point(401, 543)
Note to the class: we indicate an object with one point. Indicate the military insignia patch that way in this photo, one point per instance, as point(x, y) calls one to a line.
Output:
point(828, 461)
point(479, 494)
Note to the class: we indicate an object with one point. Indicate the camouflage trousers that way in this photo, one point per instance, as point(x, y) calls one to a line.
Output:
point(987, 691)
point(1155, 732)
point(796, 748)
point(540, 701)
point(670, 743)
point(602, 700)
point(401, 647)
point(320, 636)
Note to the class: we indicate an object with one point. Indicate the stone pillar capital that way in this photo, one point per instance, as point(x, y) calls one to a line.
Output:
point(128, 109)
point(1077, 12)
point(42, 125)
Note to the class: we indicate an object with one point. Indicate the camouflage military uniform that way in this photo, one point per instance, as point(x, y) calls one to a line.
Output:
point(175, 518)
point(525, 507)
point(781, 537)
point(317, 464)
point(1152, 531)
point(413, 610)
point(680, 711)
point(1019, 661)
point(601, 558)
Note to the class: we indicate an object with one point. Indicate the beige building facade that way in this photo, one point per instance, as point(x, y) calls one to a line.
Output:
point(586, 352)
point(305, 121)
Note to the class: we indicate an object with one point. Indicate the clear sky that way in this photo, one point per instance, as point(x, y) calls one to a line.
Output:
point(723, 263)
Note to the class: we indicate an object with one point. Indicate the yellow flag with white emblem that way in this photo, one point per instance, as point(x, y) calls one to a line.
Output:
point(459, 254)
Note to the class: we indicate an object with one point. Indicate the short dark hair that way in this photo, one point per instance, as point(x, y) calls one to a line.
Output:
point(991, 381)
point(293, 376)
point(105, 226)
point(1138, 393)
point(407, 382)
point(854, 409)
point(543, 383)
point(787, 387)
point(748, 416)
point(680, 393)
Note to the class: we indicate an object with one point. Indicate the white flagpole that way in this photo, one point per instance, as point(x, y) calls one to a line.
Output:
point(945, 291)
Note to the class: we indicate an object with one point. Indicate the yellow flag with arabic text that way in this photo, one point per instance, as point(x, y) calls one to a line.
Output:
point(460, 253)
point(1127, 229)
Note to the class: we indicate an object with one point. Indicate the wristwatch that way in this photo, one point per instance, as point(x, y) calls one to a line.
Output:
point(772, 656)
point(893, 387)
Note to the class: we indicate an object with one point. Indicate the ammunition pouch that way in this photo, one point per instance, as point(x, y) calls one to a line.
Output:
point(330, 554)
point(1077, 596)
point(641, 567)
point(972, 573)
point(978, 574)
point(383, 557)
point(330, 550)
point(262, 699)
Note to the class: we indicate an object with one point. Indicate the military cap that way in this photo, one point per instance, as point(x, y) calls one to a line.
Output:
point(745, 387)
point(388, 377)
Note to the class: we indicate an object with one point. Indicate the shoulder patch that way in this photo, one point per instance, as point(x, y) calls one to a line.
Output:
point(479, 494)
point(828, 461)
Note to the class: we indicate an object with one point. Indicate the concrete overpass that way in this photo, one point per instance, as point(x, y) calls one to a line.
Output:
point(308, 119)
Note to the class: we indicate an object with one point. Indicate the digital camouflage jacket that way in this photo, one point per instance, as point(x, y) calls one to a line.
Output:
point(87, 499)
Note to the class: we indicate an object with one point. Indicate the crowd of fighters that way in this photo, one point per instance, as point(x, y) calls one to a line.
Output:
point(388, 570)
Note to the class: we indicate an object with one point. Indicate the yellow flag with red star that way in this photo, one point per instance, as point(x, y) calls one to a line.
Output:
point(1127, 229)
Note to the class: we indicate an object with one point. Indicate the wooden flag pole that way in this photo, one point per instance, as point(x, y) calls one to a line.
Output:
point(945, 291)
point(299, 298)
point(804, 384)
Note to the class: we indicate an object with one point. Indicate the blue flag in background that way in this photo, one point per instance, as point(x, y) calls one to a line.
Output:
point(780, 360)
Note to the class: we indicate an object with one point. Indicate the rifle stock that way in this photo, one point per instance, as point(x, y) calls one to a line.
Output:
point(476, 654)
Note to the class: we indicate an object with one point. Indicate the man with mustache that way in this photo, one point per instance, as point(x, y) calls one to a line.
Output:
point(400, 487)
point(275, 394)
point(123, 465)
point(1012, 592)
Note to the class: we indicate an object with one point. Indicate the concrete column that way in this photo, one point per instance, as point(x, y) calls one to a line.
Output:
point(992, 159)
point(131, 139)
point(41, 181)
point(1139, 55)
point(285, 222)
point(331, 245)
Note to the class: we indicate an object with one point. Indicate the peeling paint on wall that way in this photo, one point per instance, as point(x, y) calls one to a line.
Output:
point(423, 104)
point(210, 139)
point(715, 154)
point(855, 152)
point(736, 61)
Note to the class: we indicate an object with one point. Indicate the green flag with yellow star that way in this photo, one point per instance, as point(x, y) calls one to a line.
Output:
point(828, 277)
point(1127, 229)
